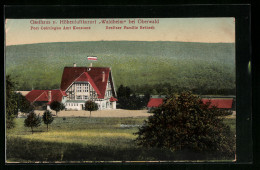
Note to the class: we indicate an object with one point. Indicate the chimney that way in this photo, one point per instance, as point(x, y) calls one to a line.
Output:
point(49, 96)
point(103, 76)
point(74, 65)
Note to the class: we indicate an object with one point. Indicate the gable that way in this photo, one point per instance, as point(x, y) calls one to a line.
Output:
point(84, 77)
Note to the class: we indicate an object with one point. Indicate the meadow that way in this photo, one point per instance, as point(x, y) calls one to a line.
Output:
point(85, 139)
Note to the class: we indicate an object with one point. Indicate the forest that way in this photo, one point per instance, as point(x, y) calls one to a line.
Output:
point(157, 67)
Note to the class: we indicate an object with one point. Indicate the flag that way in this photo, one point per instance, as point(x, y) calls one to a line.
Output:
point(92, 58)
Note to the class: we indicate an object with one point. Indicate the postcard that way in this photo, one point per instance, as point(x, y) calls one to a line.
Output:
point(87, 90)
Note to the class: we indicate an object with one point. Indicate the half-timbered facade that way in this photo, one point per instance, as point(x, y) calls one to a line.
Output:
point(88, 83)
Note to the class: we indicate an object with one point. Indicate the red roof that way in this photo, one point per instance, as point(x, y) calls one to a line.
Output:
point(34, 94)
point(85, 77)
point(112, 99)
point(155, 102)
point(42, 95)
point(219, 103)
point(93, 75)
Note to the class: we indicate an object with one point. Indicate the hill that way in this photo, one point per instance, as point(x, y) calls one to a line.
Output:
point(137, 64)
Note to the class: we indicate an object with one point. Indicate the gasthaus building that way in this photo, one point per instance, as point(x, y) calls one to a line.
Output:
point(78, 85)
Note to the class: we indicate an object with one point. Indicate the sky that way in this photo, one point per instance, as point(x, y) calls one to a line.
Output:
point(206, 30)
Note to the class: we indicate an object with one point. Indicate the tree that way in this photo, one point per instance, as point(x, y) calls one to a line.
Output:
point(11, 103)
point(47, 118)
point(183, 122)
point(123, 91)
point(91, 106)
point(57, 106)
point(23, 104)
point(146, 98)
point(129, 100)
point(32, 120)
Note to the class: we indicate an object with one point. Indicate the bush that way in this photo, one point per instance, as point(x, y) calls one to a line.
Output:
point(184, 123)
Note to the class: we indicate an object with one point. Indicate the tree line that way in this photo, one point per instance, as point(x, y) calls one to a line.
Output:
point(168, 88)
point(128, 99)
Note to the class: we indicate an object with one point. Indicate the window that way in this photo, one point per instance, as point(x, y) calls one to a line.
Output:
point(85, 87)
point(85, 97)
point(108, 93)
point(79, 97)
point(78, 87)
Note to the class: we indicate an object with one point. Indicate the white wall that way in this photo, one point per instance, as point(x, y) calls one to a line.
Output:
point(74, 106)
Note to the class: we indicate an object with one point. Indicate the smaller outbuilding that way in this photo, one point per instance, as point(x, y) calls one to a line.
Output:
point(154, 103)
point(42, 99)
point(219, 103)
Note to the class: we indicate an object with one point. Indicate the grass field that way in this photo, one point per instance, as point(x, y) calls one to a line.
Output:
point(90, 139)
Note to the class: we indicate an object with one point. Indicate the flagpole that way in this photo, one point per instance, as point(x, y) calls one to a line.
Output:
point(92, 58)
